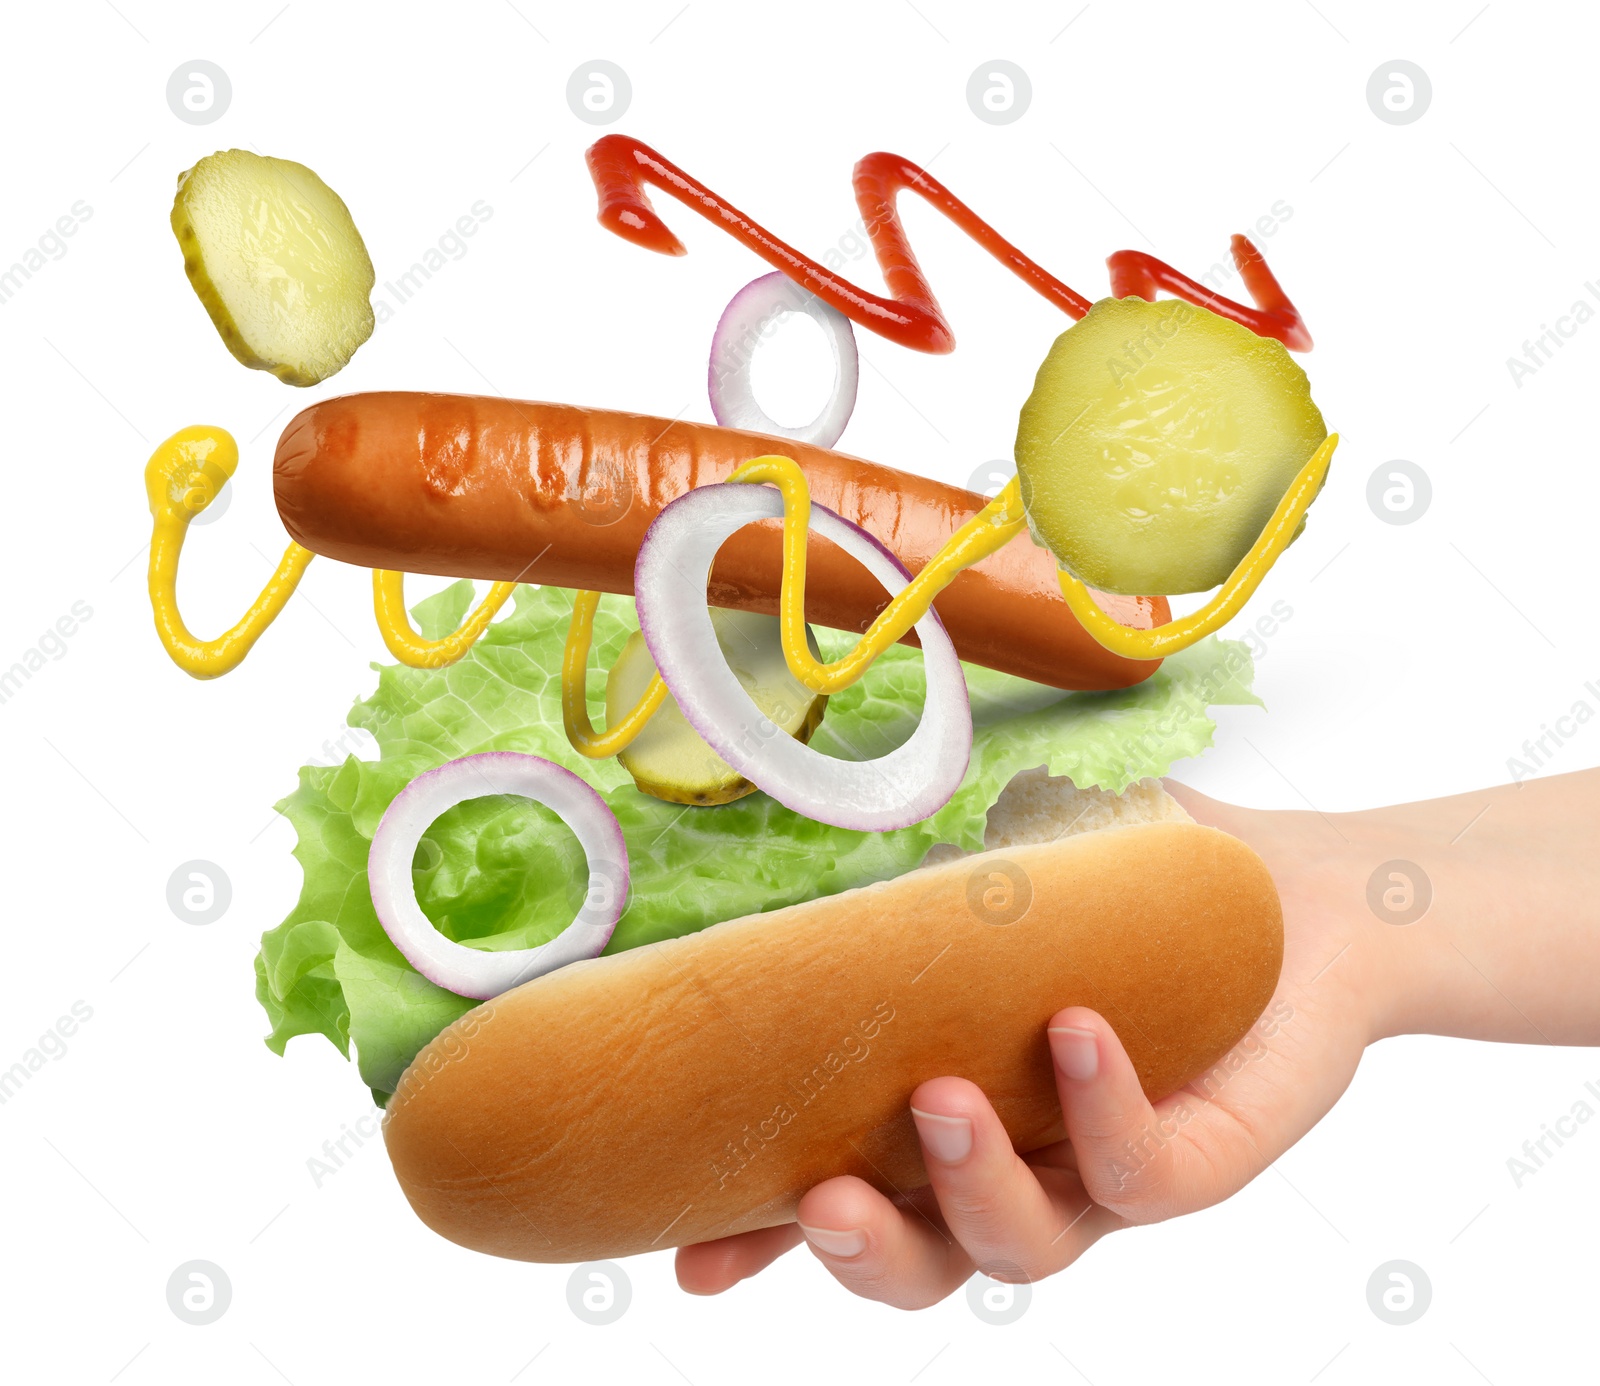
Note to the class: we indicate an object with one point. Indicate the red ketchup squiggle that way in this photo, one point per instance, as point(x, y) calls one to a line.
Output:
point(910, 315)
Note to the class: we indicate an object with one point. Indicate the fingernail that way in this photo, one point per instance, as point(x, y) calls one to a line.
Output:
point(947, 1138)
point(852, 1241)
point(1077, 1051)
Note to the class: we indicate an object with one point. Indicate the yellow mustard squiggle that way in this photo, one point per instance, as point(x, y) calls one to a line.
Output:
point(183, 476)
point(188, 470)
point(574, 691)
point(990, 529)
point(1161, 641)
point(400, 636)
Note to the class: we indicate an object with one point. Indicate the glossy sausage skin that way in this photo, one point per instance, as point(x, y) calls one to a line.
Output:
point(480, 487)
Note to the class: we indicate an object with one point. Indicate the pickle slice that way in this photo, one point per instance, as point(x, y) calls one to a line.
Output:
point(668, 759)
point(277, 261)
point(1157, 442)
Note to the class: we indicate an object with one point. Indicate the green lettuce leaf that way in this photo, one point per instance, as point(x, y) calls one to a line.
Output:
point(500, 873)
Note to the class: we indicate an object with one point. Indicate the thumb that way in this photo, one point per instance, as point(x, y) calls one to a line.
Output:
point(1134, 1158)
point(1213, 813)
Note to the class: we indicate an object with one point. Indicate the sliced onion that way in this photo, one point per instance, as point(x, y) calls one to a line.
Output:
point(733, 347)
point(471, 971)
point(669, 578)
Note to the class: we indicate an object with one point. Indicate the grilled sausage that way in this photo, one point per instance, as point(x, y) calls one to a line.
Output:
point(480, 487)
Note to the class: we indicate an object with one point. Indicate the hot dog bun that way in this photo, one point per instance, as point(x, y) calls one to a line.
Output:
point(515, 490)
point(698, 1087)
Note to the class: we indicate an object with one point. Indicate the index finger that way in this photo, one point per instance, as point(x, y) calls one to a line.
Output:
point(709, 1268)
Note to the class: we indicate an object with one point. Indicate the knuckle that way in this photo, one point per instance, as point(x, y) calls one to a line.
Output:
point(1140, 1190)
point(1025, 1267)
point(870, 1277)
point(975, 1206)
point(1140, 1176)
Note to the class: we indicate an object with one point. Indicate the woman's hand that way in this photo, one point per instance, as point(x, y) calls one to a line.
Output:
point(1124, 1162)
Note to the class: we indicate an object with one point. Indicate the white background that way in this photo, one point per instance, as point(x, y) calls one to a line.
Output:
point(1417, 661)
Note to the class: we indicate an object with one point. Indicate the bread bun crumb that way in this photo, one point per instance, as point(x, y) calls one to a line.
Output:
point(1037, 806)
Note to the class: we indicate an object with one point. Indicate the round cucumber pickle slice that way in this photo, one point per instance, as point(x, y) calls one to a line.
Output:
point(277, 261)
point(1157, 442)
point(668, 759)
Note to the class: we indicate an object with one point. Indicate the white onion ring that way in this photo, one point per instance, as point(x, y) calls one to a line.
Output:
point(669, 579)
point(471, 971)
point(733, 347)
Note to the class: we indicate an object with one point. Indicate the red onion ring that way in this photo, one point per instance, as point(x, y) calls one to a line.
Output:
point(733, 346)
point(472, 971)
point(892, 791)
